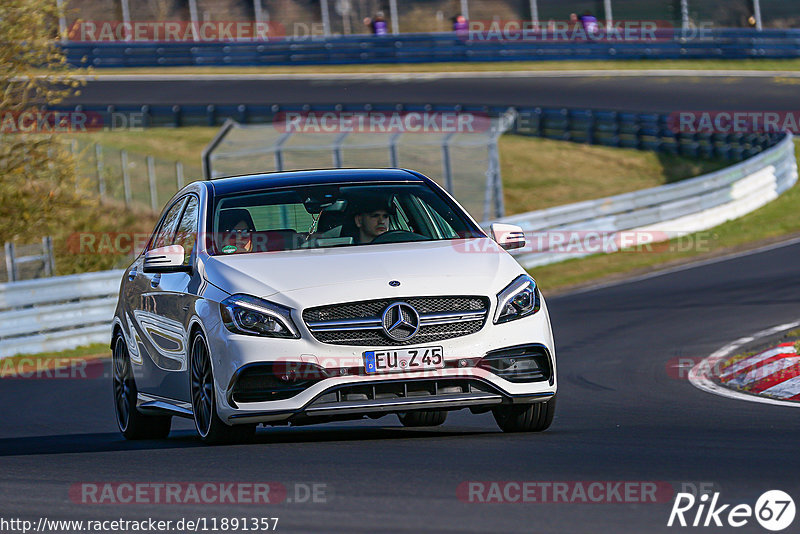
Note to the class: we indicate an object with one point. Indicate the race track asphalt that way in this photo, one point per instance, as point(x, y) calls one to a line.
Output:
point(622, 416)
point(644, 93)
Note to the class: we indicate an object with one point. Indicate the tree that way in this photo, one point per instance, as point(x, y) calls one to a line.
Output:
point(34, 74)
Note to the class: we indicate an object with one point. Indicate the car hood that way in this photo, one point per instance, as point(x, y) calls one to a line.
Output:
point(317, 276)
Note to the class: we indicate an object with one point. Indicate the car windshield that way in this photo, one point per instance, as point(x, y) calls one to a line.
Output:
point(308, 217)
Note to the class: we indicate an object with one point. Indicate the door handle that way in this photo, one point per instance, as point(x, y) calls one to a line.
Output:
point(155, 281)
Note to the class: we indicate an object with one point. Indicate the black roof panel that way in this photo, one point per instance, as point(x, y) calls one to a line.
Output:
point(256, 182)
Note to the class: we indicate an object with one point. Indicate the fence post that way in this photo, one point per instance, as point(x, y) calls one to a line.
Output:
point(11, 264)
point(326, 18)
point(126, 179)
point(394, 16)
point(73, 147)
point(49, 259)
point(151, 176)
point(101, 181)
point(497, 186)
point(337, 149)
point(394, 158)
point(447, 168)
point(179, 174)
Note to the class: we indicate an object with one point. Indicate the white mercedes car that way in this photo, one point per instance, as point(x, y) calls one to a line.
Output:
point(314, 296)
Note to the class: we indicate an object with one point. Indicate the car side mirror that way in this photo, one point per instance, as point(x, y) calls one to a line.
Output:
point(166, 260)
point(508, 236)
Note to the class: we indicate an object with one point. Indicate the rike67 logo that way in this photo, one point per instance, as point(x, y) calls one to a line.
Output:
point(774, 510)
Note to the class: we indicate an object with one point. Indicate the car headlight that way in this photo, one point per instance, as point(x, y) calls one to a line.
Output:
point(244, 314)
point(519, 299)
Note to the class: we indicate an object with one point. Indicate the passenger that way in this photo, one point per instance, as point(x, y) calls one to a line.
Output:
point(235, 230)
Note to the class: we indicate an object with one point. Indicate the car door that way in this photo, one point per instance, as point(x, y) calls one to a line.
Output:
point(174, 296)
point(160, 340)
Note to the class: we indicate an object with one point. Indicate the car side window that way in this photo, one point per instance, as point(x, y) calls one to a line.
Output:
point(186, 235)
point(166, 230)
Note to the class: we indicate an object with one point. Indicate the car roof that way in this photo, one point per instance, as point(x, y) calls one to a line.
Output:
point(255, 182)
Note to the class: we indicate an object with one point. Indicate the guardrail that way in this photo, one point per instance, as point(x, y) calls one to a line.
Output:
point(53, 314)
point(664, 212)
point(435, 47)
point(58, 313)
point(645, 131)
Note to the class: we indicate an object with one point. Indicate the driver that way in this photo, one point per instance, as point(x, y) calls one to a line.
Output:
point(371, 218)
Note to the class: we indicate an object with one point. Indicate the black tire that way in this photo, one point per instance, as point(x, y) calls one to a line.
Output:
point(210, 427)
point(526, 417)
point(423, 418)
point(133, 424)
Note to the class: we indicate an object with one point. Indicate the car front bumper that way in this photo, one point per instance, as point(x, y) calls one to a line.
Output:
point(347, 392)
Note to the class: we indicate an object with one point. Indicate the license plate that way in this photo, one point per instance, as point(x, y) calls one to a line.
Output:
point(418, 359)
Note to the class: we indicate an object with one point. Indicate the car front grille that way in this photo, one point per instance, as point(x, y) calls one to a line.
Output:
point(361, 323)
point(397, 391)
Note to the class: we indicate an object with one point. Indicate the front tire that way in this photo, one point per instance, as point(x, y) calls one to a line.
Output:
point(525, 418)
point(133, 424)
point(210, 427)
point(423, 418)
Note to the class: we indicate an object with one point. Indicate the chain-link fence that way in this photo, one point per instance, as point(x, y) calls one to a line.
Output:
point(129, 177)
point(27, 261)
point(465, 161)
point(306, 18)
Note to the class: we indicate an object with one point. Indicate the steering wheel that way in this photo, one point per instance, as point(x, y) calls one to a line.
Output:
point(398, 236)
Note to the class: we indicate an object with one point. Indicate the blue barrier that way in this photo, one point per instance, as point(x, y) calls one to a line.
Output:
point(643, 131)
point(441, 47)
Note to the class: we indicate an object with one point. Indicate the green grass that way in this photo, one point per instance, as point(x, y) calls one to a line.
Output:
point(540, 173)
point(171, 144)
point(537, 173)
point(772, 222)
point(690, 64)
point(88, 352)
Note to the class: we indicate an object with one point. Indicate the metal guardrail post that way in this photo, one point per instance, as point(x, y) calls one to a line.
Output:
point(394, 158)
point(11, 264)
point(49, 257)
point(497, 185)
point(209, 149)
point(279, 150)
point(151, 176)
point(394, 16)
point(101, 181)
point(326, 18)
point(534, 13)
point(447, 168)
point(757, 14)
point(179, 174)
point(126, 179)
point(177, 116)
point(211, 114)
point(609, 15)
point(337, 149)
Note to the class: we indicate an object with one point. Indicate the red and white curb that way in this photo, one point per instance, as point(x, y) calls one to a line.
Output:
point(774, 372)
